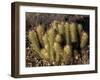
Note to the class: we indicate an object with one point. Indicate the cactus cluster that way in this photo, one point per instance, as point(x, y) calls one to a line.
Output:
point(60, 43)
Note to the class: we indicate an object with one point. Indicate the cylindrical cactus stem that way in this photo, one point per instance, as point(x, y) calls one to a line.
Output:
point(73, 32)
point(44, 54)
point(84, 39)
point(40, 31)
point(55, 25)
point(47, 47)
point(67, 54)
point(58, 51)
point(45, 39)
point(51, 35)
point(58, 38)
point(34, 41)
point(67, 33)
point(52, 54)
point(46, 43)
point(80, 28)
point(61, 28)
point(51, 38)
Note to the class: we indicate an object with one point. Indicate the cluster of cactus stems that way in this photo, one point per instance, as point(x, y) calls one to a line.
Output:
point(60, 43)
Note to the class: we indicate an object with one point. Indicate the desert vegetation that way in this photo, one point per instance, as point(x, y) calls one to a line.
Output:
point(56, 39)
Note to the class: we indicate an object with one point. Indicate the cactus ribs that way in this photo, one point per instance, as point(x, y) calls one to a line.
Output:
point(56, 39)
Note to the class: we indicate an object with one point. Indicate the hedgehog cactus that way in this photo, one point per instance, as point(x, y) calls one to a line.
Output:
point(57, 41)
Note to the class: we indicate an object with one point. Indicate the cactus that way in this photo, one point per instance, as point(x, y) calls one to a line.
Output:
point(73, 32)
point(67, 33)
point(51, 38)
point(58, 51)
point(46, 43)
point(61, 28)
point(55, 44)
point(58, 38)
point(67, 54)
point(55, 25)
point(84, 40)
point(40, 31)
point(44, 54)
point(45, 39)
point(34, 41)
